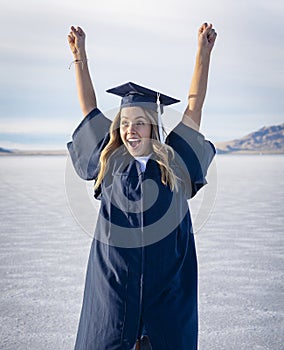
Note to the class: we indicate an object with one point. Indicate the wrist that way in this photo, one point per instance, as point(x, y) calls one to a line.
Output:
point(80, 55)
point(203, 52)
point(79, 61)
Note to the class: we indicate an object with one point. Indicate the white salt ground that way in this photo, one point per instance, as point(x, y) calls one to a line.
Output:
point(44, 252)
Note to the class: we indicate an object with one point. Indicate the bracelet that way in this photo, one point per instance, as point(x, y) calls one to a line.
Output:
point(78, 61)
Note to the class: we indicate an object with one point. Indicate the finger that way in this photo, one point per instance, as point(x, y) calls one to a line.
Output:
point(72, 36)
point(70, 39)
point(75, 32)
point(203, 27)
point(212, 37)
point(80, 31)
point(211, 33)
point(208, 29)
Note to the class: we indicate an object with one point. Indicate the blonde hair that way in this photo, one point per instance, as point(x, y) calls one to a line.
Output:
point(163, 153)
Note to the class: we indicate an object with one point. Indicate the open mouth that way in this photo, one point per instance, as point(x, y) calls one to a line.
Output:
point(133, 143)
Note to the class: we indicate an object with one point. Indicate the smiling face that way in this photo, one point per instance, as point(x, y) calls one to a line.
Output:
point(135, 131)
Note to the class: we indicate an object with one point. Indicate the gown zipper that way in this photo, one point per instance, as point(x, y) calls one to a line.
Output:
point(142, 258)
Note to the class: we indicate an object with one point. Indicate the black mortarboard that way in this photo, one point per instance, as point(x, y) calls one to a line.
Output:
point(133, 94)
point(136, 95)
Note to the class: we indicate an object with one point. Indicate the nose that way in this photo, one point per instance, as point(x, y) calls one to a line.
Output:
point(131, 128)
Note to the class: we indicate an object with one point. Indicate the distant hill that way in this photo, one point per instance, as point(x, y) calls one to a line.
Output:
point(267, 140)
point(4, 150)
point(8, 152)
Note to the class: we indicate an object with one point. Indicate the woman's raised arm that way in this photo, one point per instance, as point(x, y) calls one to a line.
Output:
point(86, 92)
point(197, 91)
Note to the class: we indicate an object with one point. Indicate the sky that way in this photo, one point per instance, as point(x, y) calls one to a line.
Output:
point(152, 43)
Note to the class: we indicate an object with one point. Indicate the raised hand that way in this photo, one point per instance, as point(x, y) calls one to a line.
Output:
point(86, 92)
point(206, 37)
point(197, 91)
point(76, 40)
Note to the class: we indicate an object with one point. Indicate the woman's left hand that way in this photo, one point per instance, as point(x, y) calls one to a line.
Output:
point(206, 37)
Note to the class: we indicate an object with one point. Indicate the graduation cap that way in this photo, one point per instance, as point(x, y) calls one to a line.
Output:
point(135, 95)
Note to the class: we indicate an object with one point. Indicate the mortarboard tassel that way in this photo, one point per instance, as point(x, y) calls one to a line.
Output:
point(160, 125)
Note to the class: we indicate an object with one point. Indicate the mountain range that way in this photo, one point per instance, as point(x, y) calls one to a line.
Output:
point(267, 140)
point(16, 152)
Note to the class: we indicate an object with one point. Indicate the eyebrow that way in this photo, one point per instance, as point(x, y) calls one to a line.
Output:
point(139, 117)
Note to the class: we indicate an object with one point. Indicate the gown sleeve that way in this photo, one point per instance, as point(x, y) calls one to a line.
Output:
point(193, 155)
point(88, 140)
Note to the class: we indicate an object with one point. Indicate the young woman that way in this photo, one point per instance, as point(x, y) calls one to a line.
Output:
point(141, 281)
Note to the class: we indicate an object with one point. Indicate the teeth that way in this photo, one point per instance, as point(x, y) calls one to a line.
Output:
point(133, 142)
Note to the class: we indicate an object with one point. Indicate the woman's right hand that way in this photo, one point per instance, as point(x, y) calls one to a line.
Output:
point(76, 40)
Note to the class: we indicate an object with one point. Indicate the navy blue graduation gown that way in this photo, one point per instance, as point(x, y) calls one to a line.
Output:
point(142, 269)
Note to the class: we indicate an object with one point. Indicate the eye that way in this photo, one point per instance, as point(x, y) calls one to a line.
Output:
point(140, 123)
point(124, 123)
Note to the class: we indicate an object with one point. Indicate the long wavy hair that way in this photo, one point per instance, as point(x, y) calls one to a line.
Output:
point(163, 153)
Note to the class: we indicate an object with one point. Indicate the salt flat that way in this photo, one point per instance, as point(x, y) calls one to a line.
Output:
point(44, 252)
